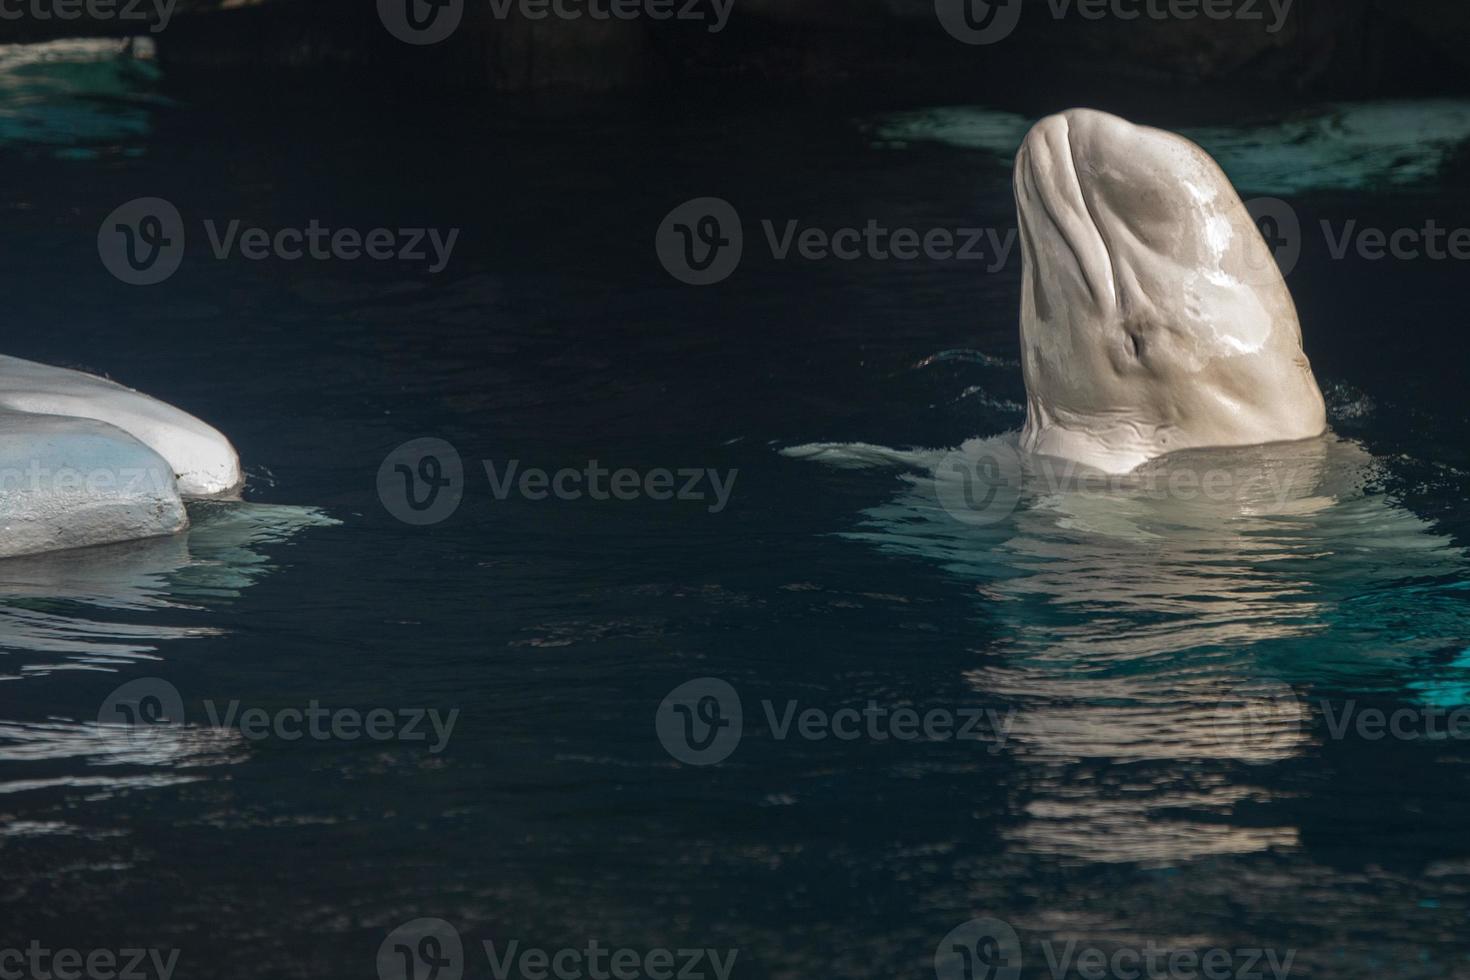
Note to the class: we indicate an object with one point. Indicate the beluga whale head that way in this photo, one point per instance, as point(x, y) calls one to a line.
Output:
point(1153, 315)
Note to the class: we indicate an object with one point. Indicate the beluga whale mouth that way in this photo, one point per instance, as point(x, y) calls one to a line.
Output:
point(1153, 315)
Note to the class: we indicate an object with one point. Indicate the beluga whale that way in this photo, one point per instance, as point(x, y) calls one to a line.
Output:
point(86, 461)
point(1174, 558)
point(1154, 318)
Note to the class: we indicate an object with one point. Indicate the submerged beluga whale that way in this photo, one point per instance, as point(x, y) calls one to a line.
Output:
point(1153, 316)
point(86, 461)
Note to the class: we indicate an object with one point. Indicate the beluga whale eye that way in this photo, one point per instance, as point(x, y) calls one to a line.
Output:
point(1146, 306)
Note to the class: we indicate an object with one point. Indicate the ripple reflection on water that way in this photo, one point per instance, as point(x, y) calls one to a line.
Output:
point(1156, 639)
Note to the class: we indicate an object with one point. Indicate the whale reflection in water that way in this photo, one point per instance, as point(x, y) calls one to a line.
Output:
point(1166, 619)
point(50, 603)
point(99, 609)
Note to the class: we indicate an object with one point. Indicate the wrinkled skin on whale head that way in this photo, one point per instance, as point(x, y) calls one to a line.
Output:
point(1153, 315)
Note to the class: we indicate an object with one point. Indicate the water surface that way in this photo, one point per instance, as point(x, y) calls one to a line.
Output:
point(1168, 775)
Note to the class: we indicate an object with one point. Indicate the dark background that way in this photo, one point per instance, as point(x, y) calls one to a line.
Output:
point(885, 50)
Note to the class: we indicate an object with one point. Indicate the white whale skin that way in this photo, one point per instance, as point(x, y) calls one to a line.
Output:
point(203, 461)
point(70, 483)
point(1153, 315)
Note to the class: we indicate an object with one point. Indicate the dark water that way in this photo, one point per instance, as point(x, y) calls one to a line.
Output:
point(1168, 674)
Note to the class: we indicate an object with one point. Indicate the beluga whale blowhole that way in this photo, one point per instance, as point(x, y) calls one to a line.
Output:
point(1153, 315)
point(85, 461)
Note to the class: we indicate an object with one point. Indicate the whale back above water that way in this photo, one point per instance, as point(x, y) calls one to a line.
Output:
point(85, 461)
point(203, 460)
point(1153, 315)
point(71, 482)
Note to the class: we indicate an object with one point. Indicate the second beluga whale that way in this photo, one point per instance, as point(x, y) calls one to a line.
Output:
point(86, 461)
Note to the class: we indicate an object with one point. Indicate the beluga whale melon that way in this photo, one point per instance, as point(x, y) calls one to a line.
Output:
point(1153, 315)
